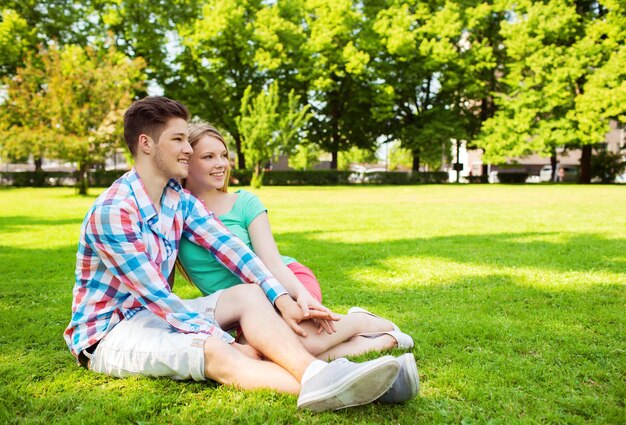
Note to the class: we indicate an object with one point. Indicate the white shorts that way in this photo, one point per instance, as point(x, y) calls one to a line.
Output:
point(147, 345)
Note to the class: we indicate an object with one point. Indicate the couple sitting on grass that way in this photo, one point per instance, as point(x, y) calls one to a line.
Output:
point(127, 321)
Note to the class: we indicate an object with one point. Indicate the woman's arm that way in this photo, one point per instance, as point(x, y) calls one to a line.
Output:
point(264, 246)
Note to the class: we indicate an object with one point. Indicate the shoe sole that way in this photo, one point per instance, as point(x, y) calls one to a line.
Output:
point(414, 377)
point(361, 387)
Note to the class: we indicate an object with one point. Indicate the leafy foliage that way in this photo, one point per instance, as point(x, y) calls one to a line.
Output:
point(563, 80)
point(269, 128)
point(68, 103)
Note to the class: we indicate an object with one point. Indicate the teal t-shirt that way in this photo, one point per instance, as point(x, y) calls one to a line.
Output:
point(208, 274)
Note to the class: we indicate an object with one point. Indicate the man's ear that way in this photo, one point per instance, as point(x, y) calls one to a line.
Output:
point(144, 144)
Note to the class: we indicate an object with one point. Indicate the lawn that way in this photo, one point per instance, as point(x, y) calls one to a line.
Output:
point(515, 296)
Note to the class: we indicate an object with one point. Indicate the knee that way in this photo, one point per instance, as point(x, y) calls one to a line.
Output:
point(249, 294)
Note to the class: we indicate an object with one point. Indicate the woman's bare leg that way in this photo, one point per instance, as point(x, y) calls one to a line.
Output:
point(358, 345)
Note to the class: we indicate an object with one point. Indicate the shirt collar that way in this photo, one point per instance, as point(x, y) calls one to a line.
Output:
point(148, 212)
point(144, 203)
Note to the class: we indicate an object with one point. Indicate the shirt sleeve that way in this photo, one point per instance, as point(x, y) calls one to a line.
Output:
point(202, 228)
point(114, 234)
point(251, 207)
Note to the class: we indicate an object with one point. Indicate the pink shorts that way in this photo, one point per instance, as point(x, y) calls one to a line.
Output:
point(307, 278)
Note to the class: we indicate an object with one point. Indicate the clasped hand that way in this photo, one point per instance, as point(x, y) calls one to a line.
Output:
point(305, 307)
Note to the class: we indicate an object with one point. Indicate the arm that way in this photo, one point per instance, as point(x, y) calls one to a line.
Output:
point(113, 233)
point(264, 246)
point(203, 229)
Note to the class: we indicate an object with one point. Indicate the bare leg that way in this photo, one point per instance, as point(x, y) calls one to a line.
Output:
point(263, 327)
point(226, 365)
point(347, 327)
point(358, 345)
point(344, 342)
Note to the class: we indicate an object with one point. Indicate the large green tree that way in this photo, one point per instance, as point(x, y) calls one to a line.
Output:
point(218, 62)
point(342, 88)
point(563, 55)
point(68, 103)
point(438, 61)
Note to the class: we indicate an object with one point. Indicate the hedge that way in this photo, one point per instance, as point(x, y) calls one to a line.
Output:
point(512, 176)
point(101, 178)
point(305, 178)
point(400, 177)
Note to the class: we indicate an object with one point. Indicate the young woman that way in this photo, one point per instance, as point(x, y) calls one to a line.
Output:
point(245, 216)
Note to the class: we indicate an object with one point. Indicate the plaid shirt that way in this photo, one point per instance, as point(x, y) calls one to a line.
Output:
point(127, 250)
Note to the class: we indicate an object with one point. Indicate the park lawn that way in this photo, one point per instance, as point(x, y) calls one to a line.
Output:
point(515, 296)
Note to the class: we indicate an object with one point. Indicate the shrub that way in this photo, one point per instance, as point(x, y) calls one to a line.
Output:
point(243, 177)
point(104, 178)
point(38, 178)
point(429, 177)
point(512, 176)
point(301, 178)
point(606, 165)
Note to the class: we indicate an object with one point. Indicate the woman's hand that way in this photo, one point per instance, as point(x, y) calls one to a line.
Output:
point(293, 313)
point(308, 303)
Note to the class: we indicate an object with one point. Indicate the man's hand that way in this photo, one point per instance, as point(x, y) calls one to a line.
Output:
point(293, 314)
point(307, 303)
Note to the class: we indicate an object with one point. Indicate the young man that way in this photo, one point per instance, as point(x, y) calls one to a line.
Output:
point(125, 319)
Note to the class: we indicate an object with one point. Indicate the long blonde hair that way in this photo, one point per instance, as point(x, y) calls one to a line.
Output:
point(199, 129)
point(196, 131)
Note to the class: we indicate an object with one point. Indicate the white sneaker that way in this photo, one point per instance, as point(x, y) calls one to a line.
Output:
point(343, 384)
point(353, 310)
point(407, 384)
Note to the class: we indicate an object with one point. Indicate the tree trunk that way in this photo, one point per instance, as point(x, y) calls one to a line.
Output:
point(585, 165)
point(257, 176)
point(333, 160)
point(38, 164)
point(416, 162)
point(553, 164)
point(82, 184)
point(241, 158)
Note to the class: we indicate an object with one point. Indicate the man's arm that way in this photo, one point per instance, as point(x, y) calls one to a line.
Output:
point(202, 228)
point(114, 235)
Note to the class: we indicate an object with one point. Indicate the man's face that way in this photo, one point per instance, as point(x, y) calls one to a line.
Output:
point(172, 151)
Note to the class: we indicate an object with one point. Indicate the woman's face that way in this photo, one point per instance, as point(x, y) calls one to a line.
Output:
point(208, 163)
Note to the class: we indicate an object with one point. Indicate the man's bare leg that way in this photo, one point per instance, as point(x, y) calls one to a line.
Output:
point(226, 365)
point(324, 386)
point(264, 328)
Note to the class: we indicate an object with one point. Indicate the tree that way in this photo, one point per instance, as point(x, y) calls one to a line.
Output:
point(304, 156)
point(146, 29)
point(355, 155)
point(68, 103)
point(217, 63)
point(436, 64)
point(269, 128)
point(341, 88)
point(16, 39)
point(563, 55)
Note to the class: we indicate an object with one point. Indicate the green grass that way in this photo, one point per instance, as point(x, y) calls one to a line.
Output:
point(515, 296)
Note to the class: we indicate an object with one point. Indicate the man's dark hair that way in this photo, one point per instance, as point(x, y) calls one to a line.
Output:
point(148, 116)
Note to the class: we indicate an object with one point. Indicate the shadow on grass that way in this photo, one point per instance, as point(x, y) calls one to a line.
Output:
point(580, 252)
point(14, 224)
point(488, 347)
